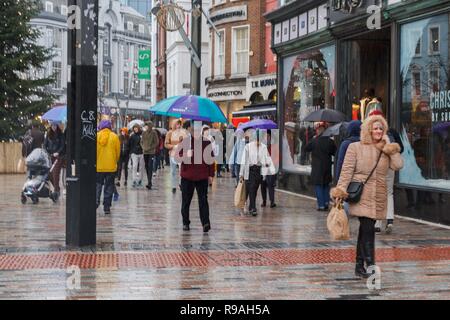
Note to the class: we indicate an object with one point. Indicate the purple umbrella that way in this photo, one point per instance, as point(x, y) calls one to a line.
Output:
point(259, 124)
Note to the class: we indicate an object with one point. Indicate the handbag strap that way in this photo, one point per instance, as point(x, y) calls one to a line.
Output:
point(373, 170)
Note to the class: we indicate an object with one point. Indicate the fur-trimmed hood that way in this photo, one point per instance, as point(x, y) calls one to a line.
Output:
point(366, 135)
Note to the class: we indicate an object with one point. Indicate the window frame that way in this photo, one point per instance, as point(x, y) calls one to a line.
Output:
point(430, 40)
point(234, 53)
point(57, 83)
point(49, 6)
point(216, 55)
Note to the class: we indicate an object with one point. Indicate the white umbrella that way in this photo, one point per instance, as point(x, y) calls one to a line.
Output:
point(132, 123)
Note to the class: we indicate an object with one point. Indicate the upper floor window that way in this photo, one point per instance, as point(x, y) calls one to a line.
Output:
point(219, 54)
point(130, 25)
point(49, 6)
point(107, 41)
point(434, 38)
point(64, 10)
point(57, 38)
point(240, 59)
point(141, 28)
point(57, 74)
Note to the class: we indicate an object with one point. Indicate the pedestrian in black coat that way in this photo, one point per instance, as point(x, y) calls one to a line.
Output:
point(322, 149)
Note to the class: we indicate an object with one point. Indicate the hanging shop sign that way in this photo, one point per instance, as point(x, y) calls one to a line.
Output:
point(263, 84)
point(227, 15)
point(144, 65)
point(344, 9)
point(227, 93)
point(306, 23)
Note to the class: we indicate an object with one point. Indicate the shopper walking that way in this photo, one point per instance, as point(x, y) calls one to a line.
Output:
point(195, 176)
point(54, 144)
point(173, 138)
point(256, 164)
point(369, 159)
point(108, 154)
point(322, 150)
point(149, 143)
point(268, 184)
point(124, 156)
point(236, 154)
point(137, 157)
point(158, 153)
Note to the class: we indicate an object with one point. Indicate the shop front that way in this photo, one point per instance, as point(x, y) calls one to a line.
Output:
point(333, 54)
point(228, 98)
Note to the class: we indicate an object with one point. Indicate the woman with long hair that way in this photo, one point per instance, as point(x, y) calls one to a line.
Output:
point(368, 161)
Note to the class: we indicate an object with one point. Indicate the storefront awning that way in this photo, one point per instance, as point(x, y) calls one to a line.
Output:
point(251, 111)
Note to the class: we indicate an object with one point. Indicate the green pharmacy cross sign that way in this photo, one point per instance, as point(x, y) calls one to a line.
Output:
point(144, 65)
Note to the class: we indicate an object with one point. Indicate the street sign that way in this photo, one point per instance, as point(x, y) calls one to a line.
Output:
point(144, 64)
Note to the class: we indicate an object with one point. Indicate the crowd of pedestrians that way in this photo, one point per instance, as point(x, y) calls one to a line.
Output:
point(369, 153)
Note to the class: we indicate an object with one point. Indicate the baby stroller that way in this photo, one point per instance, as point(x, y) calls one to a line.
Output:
point(38, 184)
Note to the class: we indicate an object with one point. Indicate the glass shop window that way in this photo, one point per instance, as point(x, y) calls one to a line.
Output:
point(308, 85)
point(425, 107)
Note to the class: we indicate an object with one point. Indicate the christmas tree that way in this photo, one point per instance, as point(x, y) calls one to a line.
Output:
point(23, 96)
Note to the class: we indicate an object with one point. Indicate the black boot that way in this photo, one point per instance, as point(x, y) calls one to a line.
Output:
point(369, 254)
point(360, 271)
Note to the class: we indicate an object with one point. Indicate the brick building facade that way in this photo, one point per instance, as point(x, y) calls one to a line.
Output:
point(238, 57)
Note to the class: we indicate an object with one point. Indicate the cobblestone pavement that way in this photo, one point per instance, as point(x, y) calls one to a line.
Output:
point(142, 252)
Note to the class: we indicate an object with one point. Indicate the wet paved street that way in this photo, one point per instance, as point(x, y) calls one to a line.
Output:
point(142, 252)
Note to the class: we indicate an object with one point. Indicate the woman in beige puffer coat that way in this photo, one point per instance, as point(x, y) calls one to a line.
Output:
point(360, 159)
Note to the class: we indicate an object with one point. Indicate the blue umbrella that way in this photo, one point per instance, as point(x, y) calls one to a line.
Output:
point(259, 124)
point(190, 107)
point(56, 114)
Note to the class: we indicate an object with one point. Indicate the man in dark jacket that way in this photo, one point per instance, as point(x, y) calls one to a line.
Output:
point(196, 171)
point(322, 149)
point(124, 156)
point(137, 158)
point(149, 142)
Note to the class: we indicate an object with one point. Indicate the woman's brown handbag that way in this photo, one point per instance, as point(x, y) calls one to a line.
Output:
point(337, 223)
point(355, 188)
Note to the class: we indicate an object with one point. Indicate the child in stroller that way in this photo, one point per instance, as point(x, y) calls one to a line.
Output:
point(38, 184)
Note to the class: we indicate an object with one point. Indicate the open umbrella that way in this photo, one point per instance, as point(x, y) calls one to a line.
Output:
point(56, 114)
point(132, 123)
point(326, 115)
point(190, 107)
point(162, 130)
point(336, 129)
point(259, 124)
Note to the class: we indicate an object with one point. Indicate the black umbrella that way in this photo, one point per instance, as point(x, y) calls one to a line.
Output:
point(326, 115)
point(336, 129)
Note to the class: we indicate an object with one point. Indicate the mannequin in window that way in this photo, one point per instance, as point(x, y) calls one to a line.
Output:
point(369, 94)
point(373, 105)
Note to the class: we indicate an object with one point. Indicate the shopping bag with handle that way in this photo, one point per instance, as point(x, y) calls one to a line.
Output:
point(239, 195)
point(337, 222)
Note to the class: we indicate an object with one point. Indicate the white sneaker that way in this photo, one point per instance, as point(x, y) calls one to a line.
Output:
point(154, 175)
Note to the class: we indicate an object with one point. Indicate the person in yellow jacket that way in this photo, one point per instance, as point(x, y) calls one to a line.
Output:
point(108, 153)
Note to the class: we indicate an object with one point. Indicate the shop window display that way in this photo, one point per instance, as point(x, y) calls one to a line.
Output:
point(308, 85)
point(425, 108)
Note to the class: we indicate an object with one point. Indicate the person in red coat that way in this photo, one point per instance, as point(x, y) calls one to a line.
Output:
point(196, 171)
